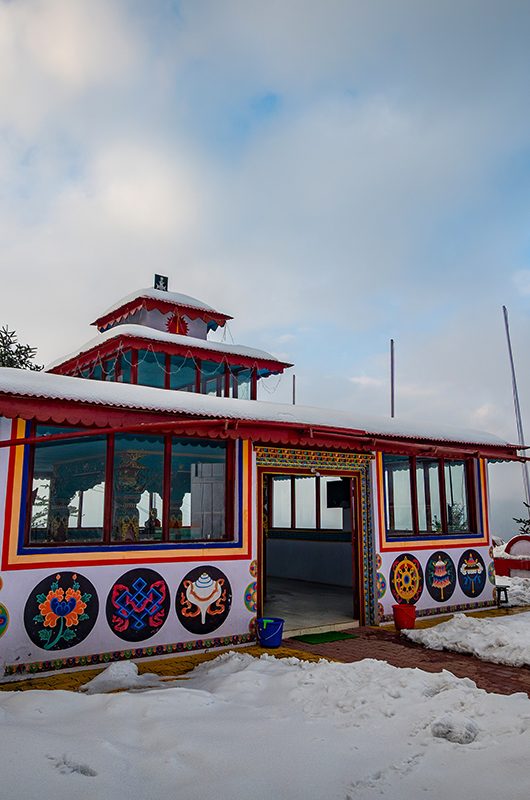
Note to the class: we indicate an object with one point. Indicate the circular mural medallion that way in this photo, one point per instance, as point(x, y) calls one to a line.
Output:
point(406, 579)
point(490, 551)
point(380, 611)
point(253, 625)
point(251, 600)
point(471, 573)
point(61, 611)
point(378, 561)
point(4, 619)
point(253, 568)
point(380, 585)
point(491, 572)
point(203, 599)
point(440, 576)
point(138, 605)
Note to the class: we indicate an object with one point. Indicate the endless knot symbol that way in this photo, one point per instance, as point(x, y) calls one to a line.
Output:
point(139, 606)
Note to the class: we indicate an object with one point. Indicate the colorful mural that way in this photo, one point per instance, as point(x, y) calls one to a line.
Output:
point(138, 605)
point(253, 568)
point(491, 572)
point(406, 579)
point(61, 611)
point(251, 599)
point(4, 619)
point(440, 576)
point(471, 573)
point(203, 600)
point(380, 585)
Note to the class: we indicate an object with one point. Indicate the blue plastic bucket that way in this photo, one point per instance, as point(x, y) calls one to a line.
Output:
point(270, 631)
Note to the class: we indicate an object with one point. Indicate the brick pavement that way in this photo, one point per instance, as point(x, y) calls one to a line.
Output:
point(386, 645)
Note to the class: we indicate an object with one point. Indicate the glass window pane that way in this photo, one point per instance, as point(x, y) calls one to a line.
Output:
point(97, 372)
point(330, 518)
point(151, 368)
point(110, 369)
point(125, 375)
point(281, 501)
point(212, 378)
point(198, 487)
point(428, 485)
point(456, 496)
point(305, 501)
point(138, 476)
point(240, 382)
point(398, 505)
point(68, 491)
point(182, 375)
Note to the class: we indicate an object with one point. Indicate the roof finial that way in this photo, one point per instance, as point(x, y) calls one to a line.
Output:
point(161, 283)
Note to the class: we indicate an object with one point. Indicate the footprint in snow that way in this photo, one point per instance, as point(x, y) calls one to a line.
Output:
point(66, 766)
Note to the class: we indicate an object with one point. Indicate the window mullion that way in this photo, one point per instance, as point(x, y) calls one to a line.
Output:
point(109, 485)
point(318, 521)
point(443, 499)
point(414, 495)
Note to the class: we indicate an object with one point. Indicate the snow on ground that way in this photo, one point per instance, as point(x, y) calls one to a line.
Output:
point(503, 640)
point(267, 728)
point(518, 590)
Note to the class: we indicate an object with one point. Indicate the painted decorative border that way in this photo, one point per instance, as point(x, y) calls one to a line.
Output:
point(16, 556)
point(305, 459)
point(412, 543)
point(124, 655)
point(439, 610)
point(293, 458)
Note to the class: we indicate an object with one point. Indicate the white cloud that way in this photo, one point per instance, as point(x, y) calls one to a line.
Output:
point(521, 279)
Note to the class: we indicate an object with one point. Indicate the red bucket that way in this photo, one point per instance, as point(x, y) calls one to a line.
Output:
point(404, 616)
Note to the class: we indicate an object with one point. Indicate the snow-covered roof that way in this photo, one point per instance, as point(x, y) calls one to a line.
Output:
point(174, 298)
point(153, 335)
point(121, 395)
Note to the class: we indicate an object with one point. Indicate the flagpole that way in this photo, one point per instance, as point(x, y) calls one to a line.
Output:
point(518, 418)
point(392, 379)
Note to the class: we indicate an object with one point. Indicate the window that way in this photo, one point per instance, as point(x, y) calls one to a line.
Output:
point(309, 502)
point(240, 382)
point(182, 375)
point(68, 490)
point(151, 369)
point(163, 489)
point(426, 496)
point(197, 495)
point(212, 378)
point(138, 488)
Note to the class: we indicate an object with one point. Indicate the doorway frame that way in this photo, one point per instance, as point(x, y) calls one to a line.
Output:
point(356, 529)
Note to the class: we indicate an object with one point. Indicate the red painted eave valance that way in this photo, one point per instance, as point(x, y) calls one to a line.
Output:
point(124, 342)
point(98, 417)
point(164, 306)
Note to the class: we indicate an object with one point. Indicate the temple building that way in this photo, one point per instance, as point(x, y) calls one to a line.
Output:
point(151, 504)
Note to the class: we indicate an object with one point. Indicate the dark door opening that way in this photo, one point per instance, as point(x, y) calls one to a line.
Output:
point(309, 559)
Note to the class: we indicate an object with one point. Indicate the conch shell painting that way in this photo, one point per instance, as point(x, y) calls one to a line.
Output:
point(203, 593)
point(203, 599)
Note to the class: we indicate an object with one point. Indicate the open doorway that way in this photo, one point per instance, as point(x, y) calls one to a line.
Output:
point(309, 569)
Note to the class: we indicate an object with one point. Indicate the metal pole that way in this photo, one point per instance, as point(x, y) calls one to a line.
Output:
point(392, 379)
point(518, 418)
point(294, 390)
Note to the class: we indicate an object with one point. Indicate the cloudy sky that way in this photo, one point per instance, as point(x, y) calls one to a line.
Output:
point(331, 173)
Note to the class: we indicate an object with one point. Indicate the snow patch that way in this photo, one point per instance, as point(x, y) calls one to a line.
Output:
point(120, 676)
point(455, 728)
point(502, 640)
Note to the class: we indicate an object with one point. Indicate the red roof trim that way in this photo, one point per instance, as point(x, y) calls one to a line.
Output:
point(59, 412)
point(164, 306)
point(109, 347)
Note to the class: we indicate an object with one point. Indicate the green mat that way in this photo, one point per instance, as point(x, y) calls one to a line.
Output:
point(321, 638)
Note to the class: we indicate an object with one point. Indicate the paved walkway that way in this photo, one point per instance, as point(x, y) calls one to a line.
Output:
point(387, 645)
point(383, 644)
